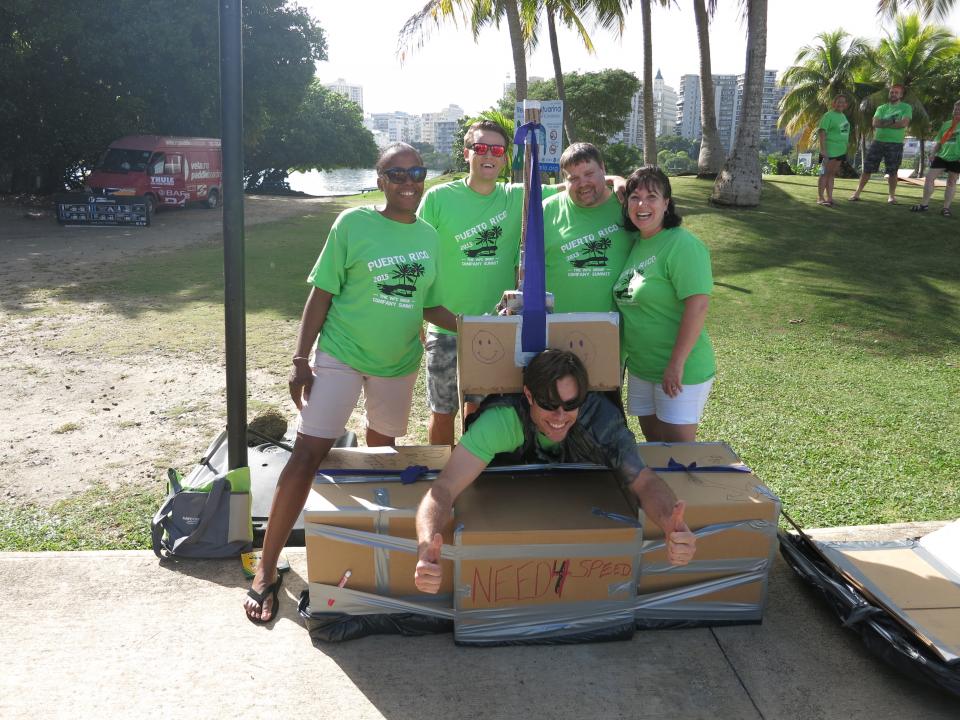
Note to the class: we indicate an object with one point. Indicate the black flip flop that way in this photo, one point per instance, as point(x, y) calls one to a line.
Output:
point(271, 591)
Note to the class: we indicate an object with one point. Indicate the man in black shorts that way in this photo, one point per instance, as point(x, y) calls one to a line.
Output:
point(890, 122)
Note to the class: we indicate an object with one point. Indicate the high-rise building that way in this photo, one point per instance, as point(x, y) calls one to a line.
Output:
point(728, 99)
point(664, 110)
point(398, 126)
point(440, 128)
point(351, 92)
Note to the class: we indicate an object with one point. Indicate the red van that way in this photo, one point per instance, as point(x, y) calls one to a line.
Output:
point(164, 170)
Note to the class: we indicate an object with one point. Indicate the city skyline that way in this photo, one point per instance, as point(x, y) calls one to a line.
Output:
point(450, 68)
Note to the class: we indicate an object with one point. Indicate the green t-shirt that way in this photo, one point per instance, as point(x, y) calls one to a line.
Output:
point(659, 274)
point(892, 111)
point(479, 244)
point(496, 430)
point(585, 249)
point(380, 273)
point(949, 150)
point(837, 128)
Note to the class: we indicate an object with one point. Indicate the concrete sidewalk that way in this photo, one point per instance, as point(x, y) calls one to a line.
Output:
point(118, 634)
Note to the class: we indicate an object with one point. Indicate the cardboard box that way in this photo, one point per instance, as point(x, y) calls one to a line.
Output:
point(377, 506)
point(732, 562)
point(490, 360)
point(544, 556)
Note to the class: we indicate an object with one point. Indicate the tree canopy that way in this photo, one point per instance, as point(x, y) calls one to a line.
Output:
point(71, 82)
point(597, 102)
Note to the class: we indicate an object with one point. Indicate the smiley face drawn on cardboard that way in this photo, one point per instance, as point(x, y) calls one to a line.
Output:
point(579, 344)
point(487, 348)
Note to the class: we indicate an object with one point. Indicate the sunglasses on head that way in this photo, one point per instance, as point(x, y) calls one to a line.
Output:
point(568, 406)
point(397, 175)
point(483, 148)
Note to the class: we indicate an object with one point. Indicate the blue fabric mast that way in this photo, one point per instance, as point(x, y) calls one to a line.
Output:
point(533, 336)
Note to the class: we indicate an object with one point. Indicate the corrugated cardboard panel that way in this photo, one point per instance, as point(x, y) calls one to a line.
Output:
point(513, 521)
point(658, 582)
point(328, 559)
point(519, 502)
point(905, 577)
point(942, 624)
point(386, 458)
point(518, 581)
point(489, 358)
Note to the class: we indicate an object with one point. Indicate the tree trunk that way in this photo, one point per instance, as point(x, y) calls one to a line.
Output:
point(516, 45)
point(739, 183)
point(649, 121)
point(558, 75)
point(710, 160)
point(923, 155)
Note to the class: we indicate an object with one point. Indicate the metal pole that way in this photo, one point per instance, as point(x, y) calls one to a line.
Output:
point(231, 119)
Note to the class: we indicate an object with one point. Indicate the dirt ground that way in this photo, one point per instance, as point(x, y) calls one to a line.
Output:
point(71, 419)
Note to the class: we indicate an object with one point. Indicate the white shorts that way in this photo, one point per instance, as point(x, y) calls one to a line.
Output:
point(336, 389)
point(645, 398)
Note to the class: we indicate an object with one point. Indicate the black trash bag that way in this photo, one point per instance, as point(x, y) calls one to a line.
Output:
point(882, 634)
point(330, 627)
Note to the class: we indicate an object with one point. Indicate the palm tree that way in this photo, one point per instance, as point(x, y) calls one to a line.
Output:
point(740, 181)
point(649, 121)
point(821, 72)
point(608, 14)
point(710, 160)
point(477, 14)
point(910, 55)
point(938, 9)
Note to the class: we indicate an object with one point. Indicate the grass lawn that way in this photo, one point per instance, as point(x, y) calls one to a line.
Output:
point(837, 334)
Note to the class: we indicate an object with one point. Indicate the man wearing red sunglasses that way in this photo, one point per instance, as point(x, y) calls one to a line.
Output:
point(478, 221)
point(555, 419)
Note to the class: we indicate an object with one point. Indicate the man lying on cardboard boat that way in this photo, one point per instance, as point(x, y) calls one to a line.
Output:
point(553, 420)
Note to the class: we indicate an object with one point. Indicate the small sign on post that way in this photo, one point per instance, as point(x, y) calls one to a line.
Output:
point(550, 141)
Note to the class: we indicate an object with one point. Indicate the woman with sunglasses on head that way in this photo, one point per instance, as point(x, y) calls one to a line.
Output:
point(371, 291)
point(663, 293)
point(554, 419)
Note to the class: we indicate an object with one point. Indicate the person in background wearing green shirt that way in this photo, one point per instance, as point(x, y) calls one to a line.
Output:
point(585, 244)
point(890, 121)
point(555, 419)
point(946, 157)
point(663, 293)
point(371, 291)
point(833, 134)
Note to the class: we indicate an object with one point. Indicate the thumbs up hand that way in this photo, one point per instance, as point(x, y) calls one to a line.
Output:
point(681, 542)
point(428, 575)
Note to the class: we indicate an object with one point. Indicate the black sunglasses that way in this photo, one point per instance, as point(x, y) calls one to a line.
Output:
point(397, 175)
point(568, 406)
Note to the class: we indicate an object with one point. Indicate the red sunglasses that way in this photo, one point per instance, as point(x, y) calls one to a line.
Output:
point(483, 148)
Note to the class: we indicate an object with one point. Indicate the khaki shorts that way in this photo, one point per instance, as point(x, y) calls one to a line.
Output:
point(336, 389)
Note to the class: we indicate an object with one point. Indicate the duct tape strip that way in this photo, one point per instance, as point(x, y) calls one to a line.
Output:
point(833, 551)
point(760, 526)
point(475, 552)
point(539, 622)
point(625, 519)
point(935, 562)
point(381, 556)
point(701, 613)
point(741, 565)
point(367, 476)
point(668, 598)
point(355, 602)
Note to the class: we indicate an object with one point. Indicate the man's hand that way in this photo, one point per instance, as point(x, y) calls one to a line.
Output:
point(428, 575)
point(681, 542)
